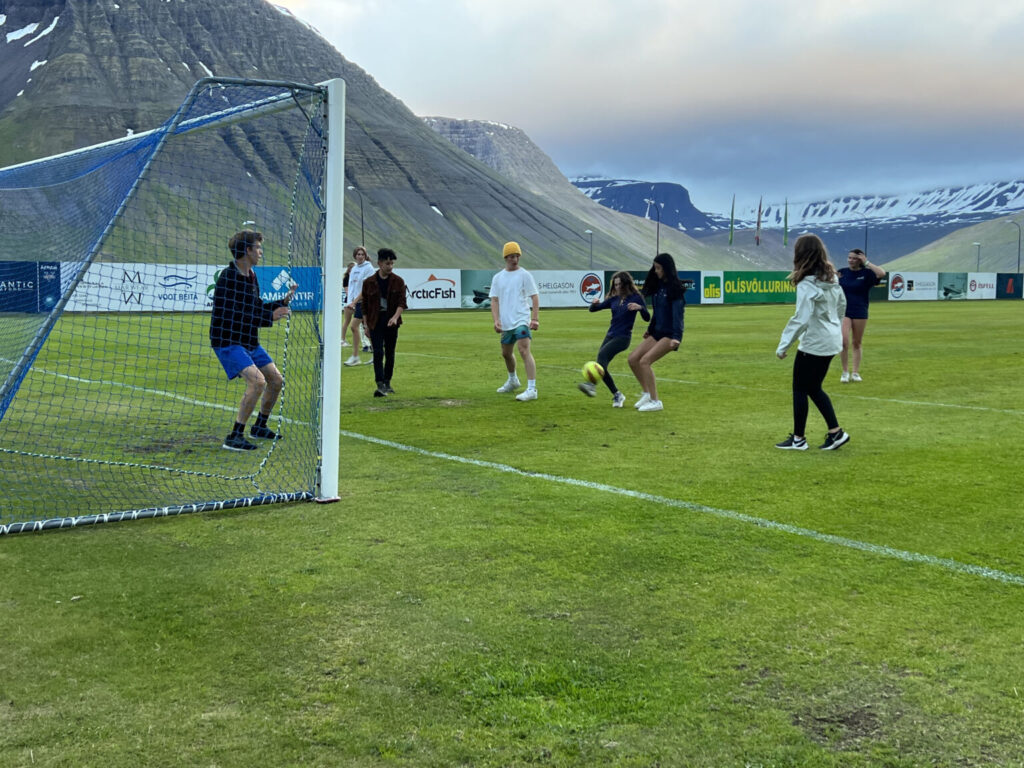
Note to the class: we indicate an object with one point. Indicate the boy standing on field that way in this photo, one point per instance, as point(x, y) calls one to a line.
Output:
point(515, 309)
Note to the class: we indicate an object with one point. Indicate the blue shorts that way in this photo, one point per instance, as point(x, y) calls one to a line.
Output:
point(519, 332)
point(237, 358)
point(359, 311)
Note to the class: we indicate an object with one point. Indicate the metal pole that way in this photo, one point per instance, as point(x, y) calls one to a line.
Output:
point(1018, 243)
point(978, 268)
point(657, 237)
point(590, 234)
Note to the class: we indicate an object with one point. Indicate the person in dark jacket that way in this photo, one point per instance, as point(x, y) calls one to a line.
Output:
point(624, 300)
point(238, 314)
point(383, 301)
point(665, 332)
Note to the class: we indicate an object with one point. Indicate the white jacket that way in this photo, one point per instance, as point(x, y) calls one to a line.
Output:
point(818, 320)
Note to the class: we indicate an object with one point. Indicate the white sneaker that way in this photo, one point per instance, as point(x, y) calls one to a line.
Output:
point(587, 388)
point(844, 378)
point(509, 386)
point(618, 400)
point(367, 348)
point(368, 362)
point(644, 400)
point(345, 344)
point(354, 360)
point(653, 405)
point(855, 377)
point(530, 394)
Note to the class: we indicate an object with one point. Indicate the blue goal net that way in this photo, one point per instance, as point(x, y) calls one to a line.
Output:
point(113, 403)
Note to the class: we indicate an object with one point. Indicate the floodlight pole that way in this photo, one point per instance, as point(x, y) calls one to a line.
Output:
point(590, 234)
point(362, 232)
point(978, 268)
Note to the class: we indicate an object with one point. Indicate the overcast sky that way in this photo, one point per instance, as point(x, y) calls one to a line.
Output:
point(805, 99)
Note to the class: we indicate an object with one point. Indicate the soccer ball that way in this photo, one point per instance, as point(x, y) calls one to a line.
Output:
point(593, 372)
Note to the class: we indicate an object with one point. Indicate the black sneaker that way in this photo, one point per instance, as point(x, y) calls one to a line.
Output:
point(833, 441)
point(235, 442)
point(381, 390)
point(263, 433)
point(793, 443)
point(387, 388)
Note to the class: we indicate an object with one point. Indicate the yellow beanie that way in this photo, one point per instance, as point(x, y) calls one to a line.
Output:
point(509, 249)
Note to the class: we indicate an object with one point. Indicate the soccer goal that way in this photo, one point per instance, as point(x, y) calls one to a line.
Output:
point(113, 405)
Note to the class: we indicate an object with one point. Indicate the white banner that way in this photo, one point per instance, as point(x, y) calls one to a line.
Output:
point(913, 286)
point(126, 287)
point(432, 288)
point(565, 288)
point(981, 285)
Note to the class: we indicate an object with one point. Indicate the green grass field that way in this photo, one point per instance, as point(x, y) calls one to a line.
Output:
point(562, 583)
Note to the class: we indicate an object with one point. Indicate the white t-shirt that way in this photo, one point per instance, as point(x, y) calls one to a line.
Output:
point(355, 280)
point(513, 291)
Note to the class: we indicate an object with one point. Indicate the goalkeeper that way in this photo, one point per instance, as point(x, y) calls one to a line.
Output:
point(238, 315)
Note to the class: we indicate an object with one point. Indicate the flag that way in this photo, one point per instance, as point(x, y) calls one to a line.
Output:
point(757, 232)
point(732, 218)
point(785, 224)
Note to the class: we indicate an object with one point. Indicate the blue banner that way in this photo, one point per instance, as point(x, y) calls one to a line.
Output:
point(29, 286)
point(274, 282)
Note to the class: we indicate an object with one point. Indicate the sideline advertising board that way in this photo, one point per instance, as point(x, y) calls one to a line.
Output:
point(981, 285)
point(29, 286)
point(432, 288)
point(712, 291)
point(1009, 285)
point(758, 288)
point(568, 288)
point(913, 286)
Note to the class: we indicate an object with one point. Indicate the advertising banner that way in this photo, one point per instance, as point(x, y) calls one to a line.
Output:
point(476, 288)
point(1009, 285)
point(136, 287)
point(952, 286)
point(712, 291)
point(758, 288)
point(568, 288)
point(981, 285)
point(914, 286)
point(691, 279)
point(29, 286)
point(432, 288)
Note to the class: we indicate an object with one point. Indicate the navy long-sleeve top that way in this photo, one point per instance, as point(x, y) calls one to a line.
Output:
point(622, 317)
point(238, 312)
point(668, 314)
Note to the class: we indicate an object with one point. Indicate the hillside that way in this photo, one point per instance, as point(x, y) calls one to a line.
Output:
point(77, 72)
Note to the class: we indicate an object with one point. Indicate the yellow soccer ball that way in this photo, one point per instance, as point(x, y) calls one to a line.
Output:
point(593, 372)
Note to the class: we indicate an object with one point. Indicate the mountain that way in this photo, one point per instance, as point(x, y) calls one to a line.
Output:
point(887, 226)
point(79, 72)
point(510, 152)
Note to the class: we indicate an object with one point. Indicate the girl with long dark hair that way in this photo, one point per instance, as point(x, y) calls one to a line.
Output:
point(664, 333)
point(624, 301)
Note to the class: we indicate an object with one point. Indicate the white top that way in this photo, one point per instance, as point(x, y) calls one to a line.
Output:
point(513, 291)
point(355, 280)
point(818, 320)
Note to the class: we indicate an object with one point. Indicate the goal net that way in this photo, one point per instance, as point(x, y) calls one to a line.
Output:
point(113, 404)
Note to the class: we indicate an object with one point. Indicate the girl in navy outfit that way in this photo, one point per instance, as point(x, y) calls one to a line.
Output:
point(665, 332)
point(624, 300)
point(857, 280)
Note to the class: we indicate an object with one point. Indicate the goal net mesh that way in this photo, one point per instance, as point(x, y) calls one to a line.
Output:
point(112, 402)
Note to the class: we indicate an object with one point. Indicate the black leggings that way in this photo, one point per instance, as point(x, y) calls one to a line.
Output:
point(809, 372)
point(610, 347)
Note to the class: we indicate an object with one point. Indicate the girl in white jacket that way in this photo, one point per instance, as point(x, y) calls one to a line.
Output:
point(817, 322)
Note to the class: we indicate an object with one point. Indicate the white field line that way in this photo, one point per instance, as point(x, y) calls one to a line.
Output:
point(826, 538)
point(833, 392)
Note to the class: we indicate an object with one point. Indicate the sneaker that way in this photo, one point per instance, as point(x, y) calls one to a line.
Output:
point(509, 386)
point(855, 377)
point(833, 441)
point(793, 443)
point(530, 394)
point(618, 400)
point(367, 347)
point(387, 388)
point(354, 360)
point(235, 442)
point(381, 390)
point(263, 433)
point(587, 388)
point(844, 378)
point(644, 400)
point(345, 344)
point(651, 405)
point(368, 362)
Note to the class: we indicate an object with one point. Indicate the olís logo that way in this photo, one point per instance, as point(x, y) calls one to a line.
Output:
point(712, 287)
point(434, 287)
point(591, 287)
point(897, 285)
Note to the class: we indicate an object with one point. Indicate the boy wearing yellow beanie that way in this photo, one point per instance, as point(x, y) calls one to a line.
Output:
point(515, 309)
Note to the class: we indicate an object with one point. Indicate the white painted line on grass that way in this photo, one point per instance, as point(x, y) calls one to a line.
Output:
point(826, 538)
